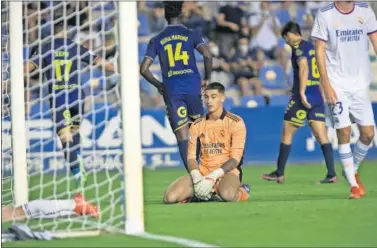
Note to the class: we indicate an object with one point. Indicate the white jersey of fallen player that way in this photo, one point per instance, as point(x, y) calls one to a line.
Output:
point(346, 34)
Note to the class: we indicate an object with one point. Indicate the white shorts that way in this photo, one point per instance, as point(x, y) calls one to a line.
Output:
point(352, 107)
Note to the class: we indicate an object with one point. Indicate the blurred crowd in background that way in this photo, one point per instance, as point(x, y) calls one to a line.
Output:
point(249, 56)
point(91, 24)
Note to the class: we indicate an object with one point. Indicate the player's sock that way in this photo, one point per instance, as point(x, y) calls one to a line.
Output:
point(45, 208)
point(70, 152)
point(283, 157)
point(243, 193)
point(76, 163)
point(329, 159)
point(346, 159)
point(359, 152)
point(183, 149)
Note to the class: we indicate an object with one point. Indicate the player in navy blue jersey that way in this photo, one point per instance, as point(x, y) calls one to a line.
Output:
point(306, 104)
point(182, 84)
point(61, 58)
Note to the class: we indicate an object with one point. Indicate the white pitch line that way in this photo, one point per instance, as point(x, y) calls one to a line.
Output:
point(176, 240)
point(145, 235)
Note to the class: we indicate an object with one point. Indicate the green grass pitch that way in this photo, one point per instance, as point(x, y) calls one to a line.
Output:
point(297, 213)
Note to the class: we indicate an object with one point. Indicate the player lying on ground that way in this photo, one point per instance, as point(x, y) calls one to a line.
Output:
point(221, 138)
point(61, 59)
point(341, 30)
point(181, 86)
point(306, 104)
point(46, 209)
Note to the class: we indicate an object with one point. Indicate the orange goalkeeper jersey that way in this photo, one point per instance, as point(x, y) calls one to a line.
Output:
point(220, 141)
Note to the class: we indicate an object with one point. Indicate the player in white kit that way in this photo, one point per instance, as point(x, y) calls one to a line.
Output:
point(48, 209)
point(341, 31)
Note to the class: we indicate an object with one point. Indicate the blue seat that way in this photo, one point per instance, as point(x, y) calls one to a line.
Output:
point(231, 85)
point(47, 29)
point(144, 25)
point(301, 17)
point(40, 109)
point(105, 6)
point(26, 53)
point(150, 4)
point(229, 103)
point(273, 77)
point(142, 49)
point(279, 100)
point(253, 101)
point(198, 56)
point(145, 86)
point(314, 12)
point(283, 16)
point(291, 77)
point(104, 23)
point(281, 43)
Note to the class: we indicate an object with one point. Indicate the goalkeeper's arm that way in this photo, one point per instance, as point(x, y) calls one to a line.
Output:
point(192, 164)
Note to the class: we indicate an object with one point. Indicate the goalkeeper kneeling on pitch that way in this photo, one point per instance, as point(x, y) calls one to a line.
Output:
point(220, 136)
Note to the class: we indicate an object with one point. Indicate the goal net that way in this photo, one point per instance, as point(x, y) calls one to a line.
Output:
point(94, 25)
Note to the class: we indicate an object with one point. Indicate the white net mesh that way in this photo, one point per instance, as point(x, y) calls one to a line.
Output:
point(6, 143)
point(93, 25)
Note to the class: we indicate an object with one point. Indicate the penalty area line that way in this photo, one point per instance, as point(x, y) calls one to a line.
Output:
point(176, 240)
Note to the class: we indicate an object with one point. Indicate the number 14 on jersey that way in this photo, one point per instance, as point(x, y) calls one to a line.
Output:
point(177, 54)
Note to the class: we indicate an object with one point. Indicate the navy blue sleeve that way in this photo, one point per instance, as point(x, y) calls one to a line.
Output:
point(301, 52)
point(151, 50)
point(35, 61)
point(197, 38)
point(38, 59)
point(223, 10)
point(87, 55)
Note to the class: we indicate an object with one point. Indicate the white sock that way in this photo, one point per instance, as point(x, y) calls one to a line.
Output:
point(48, 208)
point(346, 158)
point(359, 152)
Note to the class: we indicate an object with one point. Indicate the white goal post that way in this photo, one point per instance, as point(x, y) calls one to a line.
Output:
point(130, 114)
point(18, 104)
point(132, 159)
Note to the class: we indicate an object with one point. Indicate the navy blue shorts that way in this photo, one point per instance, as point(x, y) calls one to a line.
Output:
point(183, 109)
point(296, 113)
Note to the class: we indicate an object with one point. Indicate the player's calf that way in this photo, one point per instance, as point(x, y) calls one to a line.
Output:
point(320, 132)
point(362, 146)
point(231, 190)
point(70, 138)
point(179, 191)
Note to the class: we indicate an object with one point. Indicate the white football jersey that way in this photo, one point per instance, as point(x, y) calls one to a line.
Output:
point(347, 59)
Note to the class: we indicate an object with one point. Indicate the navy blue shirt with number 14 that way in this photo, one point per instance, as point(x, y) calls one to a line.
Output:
point(175, 47)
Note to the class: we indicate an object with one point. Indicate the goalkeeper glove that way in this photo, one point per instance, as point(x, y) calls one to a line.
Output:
point(205, 186)
point(196, 178)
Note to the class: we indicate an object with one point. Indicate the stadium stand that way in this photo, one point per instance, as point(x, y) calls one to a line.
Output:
point(279, 100)
point(275, 76)
point(253, 101)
